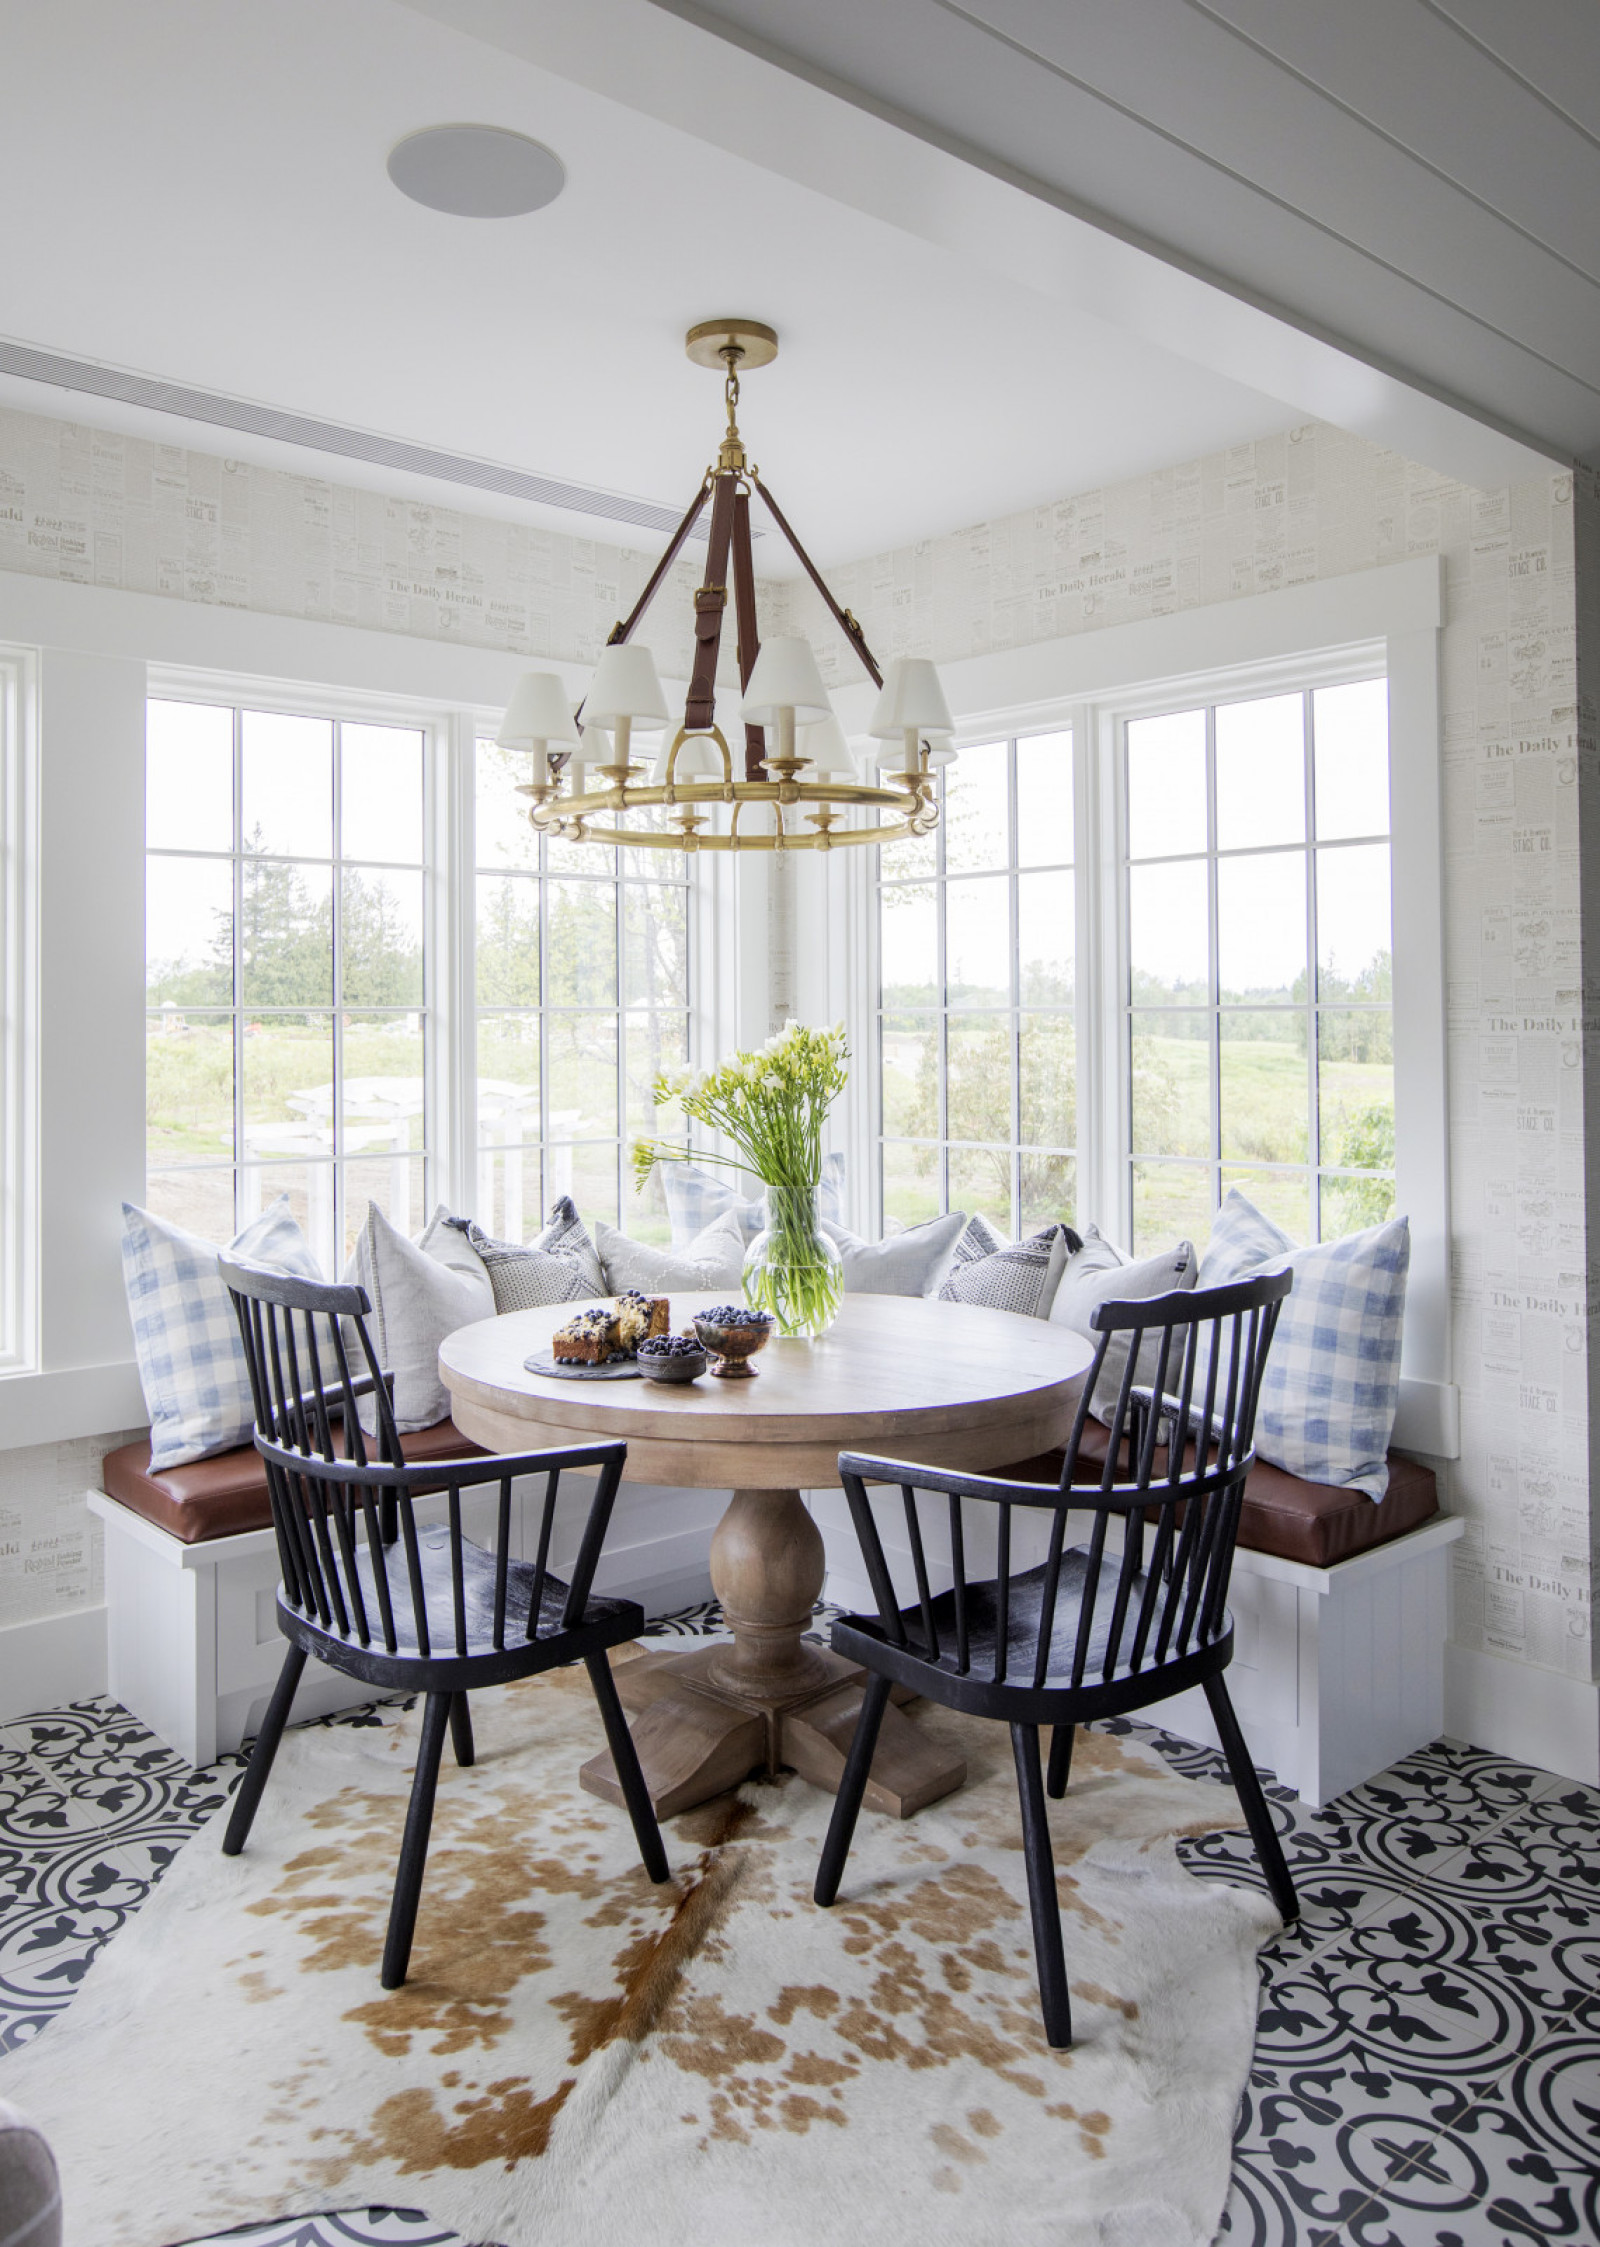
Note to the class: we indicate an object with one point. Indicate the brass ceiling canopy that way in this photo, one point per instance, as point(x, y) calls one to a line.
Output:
point(798, 790)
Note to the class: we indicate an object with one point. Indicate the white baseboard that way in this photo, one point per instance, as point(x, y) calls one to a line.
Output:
point(1514, 1709)
point(52, 1660)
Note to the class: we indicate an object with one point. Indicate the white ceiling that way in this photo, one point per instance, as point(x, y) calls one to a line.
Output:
point(1417, 179)
point(199, 193)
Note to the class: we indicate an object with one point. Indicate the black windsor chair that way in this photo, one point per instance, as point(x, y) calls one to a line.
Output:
point(1093, 1631)
point(402, 1605)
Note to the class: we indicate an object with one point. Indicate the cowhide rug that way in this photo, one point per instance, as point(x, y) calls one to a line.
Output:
point(582, 2058)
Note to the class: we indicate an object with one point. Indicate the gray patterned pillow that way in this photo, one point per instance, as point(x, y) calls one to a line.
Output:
point(1022, 1277)
point(561, 1266)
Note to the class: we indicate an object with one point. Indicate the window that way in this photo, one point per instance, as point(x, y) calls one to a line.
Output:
point(18, 956)
point(582, 998)
point(977, 1030)
point(288, 1031)
point(1259, 995)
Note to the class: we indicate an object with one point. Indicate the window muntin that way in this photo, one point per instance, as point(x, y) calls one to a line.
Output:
point(582, 998)
point(1259, 997)
point(977, 1029)
point(19, 1199)
point(289, 1041)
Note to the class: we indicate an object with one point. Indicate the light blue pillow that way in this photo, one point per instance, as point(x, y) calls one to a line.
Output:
point(185, 1336)
point(1332, 1380)
point(697, 1197)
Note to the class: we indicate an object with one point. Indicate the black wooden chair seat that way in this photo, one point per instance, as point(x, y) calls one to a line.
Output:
point(1095, 1630)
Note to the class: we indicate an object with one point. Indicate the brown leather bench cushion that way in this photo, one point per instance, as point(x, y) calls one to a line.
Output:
point(223, 1495)
point(1307, 1521)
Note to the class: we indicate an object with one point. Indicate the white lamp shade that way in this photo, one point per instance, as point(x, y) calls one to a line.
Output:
point(941, 750)
point(538, 712)
point(912, 700)
point(830, 753)
point(626, 686)
point(785, 678)
point(699, 758)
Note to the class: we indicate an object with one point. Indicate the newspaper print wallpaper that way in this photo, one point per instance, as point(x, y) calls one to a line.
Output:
point(1315, 503)
point(96, 507)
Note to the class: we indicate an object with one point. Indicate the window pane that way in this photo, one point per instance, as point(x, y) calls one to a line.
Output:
point(505, 836)
point(288, 1088)
point(1261, 772)
point(188, 919)
point(286, 935)
point(1353, 960)
point(1048, 1073)
point(910, 1049)
point(1049, 1191)
point(1350, 1205)
point(188, 777)
point(1261, 927)
point(1044, 800)
point(978, 1092)
point(588, 1174)
point(510, 1200)
point(655, 935)
point(977, 817)
point(1355, 1088)
point(1171, 1104)
point(310, 1188)
point(913, 1188)
point(382, 1107)
point(1172, 1202)
point(1046, 936)
point(582, 924)
point(380, 939)
point(644, 1215)
point(199, 1200)
point(909, 947)
point(288, 784)
point(1351, 754)
point(1169, 942)
point(188, 1090)
point(593, 860)
point(508, 1078)
point(395, 1182)
point(508, 941)
point(1282, 1195)
point(1167, 784)
point(980, 1183)
point(1265, 1089)
point(978, 942)
point(380, 793)
point(583, 1075)
point(913, 855)
point(654, 1042)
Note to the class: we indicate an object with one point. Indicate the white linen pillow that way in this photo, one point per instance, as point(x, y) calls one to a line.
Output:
point(420, 1291)
point(1099, 1273)
point(912, 1262)
point(1332, 1380)
point(567, 1235)
point(1022, 1276)
point(714, 1259)
point(185, 1335)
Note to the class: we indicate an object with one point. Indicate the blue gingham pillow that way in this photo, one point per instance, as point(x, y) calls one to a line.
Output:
point(185, 1336)
point(697, 1197)
point(1332, 1381)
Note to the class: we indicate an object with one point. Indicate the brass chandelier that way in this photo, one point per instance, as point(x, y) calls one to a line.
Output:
point(795, 785)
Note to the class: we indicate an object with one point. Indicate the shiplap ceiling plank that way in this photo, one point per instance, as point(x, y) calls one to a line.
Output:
point(1388, 174)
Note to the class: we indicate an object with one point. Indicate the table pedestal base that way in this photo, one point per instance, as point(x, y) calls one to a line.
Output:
point(697, 1738)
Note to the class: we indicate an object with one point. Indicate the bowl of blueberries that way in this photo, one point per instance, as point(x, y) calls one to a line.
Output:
point(671, 1358)
point(733, 1333)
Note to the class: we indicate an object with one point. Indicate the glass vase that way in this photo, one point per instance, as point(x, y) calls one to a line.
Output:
point(792, 1269)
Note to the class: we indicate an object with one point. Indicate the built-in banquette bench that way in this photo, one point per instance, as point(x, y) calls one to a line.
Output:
point(1338, 1606)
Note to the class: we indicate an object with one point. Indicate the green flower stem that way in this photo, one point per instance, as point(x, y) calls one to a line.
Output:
point(791, 1272)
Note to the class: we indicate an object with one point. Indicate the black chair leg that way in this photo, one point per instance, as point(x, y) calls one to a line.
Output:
point(246, 1801)
point(461, 1729)
point(1257, 1810)
point(1060, 1761)
point(625, 1756)
point(414, 1843)
point(853, 1785)
point(1047, 1951)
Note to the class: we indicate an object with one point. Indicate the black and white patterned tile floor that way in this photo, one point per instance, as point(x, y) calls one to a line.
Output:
point(1427, 2064)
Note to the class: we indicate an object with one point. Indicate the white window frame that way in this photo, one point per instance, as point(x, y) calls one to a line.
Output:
point(1382, 620)
point(19, 1010)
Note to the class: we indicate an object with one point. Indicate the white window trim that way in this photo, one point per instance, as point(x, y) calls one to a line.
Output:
point(19, 1009)
point(1378, 620)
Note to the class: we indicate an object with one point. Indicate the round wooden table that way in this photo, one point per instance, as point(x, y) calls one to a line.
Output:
point(942, 1384)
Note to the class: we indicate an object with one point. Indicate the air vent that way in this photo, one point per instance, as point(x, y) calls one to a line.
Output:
point(331, 437)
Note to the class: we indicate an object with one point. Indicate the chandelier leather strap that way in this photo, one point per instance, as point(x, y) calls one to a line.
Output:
point(710, 600)
point(744, 617)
